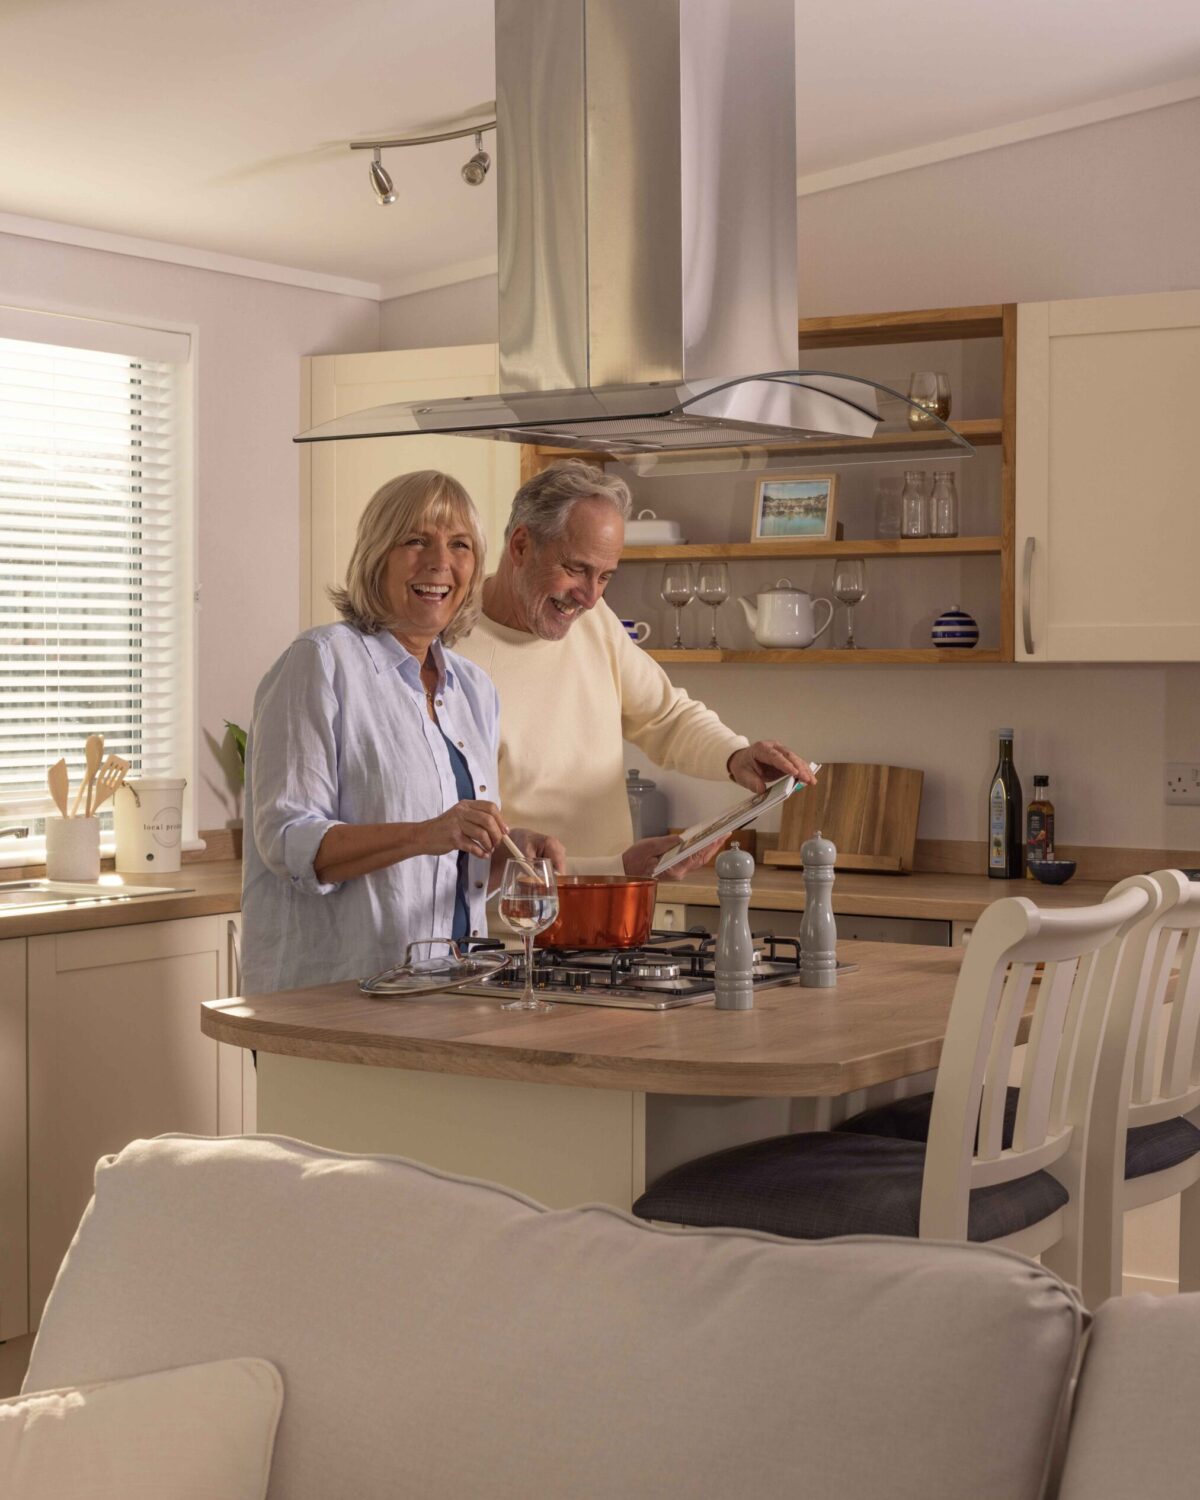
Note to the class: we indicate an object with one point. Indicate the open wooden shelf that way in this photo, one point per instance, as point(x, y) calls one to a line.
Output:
point(982, 432)
point(924, 326)
point(951, 655)
point(935, 546)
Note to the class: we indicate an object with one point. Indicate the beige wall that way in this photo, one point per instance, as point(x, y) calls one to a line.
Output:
point(1107, 209)
point(250, 338)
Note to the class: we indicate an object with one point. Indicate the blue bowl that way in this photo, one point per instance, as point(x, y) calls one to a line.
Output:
point(1052, 871)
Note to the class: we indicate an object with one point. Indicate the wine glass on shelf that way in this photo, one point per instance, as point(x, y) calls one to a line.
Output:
point(528, 905)
point(676, 589)
point(712, 588)
point(850, 588)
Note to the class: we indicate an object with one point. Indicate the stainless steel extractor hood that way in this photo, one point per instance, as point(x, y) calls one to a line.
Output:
point(646, 177)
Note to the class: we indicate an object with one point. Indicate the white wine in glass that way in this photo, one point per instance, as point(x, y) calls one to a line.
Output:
point(850, 588)
point(528, 905)
point(712, 588)
point(677, 589)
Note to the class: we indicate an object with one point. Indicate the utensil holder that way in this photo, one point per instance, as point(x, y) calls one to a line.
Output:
point(72, 848)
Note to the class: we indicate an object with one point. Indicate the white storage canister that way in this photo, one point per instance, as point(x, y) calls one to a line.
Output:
point(148, 819)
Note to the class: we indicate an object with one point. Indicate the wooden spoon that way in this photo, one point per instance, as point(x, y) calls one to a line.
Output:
point(111, 775)
point(59, 783)
point(94, 751)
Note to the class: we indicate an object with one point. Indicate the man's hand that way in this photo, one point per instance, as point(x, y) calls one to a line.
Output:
point(765, 761)
point(640, 858)
point(533, 845)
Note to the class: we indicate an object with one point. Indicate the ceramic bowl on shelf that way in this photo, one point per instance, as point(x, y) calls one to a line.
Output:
point(1052, 871)
point(955, 627)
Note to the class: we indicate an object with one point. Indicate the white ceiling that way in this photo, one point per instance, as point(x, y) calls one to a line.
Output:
point(222, 125)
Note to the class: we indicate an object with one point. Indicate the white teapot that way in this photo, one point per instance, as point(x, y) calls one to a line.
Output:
point(784, 616)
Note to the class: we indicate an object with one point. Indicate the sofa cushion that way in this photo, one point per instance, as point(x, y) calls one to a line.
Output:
point(1148, 1148)
point(187, 1434)
point(816, 1184)
point(1131, 1434)
point(443, 1338)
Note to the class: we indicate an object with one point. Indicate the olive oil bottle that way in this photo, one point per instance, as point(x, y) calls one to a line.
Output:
point(1006, 847)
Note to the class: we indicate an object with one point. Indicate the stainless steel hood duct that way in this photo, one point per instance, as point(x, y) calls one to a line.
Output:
point(646, 176)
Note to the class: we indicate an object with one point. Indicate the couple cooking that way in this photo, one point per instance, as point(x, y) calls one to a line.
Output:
point(384, 767)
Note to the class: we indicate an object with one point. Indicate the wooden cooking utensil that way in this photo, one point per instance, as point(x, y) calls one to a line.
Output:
point(870, 813)
point(94, 752)
point(512, 848)
point(59, 783)
point(110, 776)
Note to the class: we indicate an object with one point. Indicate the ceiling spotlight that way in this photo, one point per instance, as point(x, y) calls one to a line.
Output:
point(381, 181)
point(477, 168)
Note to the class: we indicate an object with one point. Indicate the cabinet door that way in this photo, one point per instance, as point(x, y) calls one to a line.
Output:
point(1108, 524)
point(115, 1054)
point(337, 479)
point(14, 1235)
point(239, 1076)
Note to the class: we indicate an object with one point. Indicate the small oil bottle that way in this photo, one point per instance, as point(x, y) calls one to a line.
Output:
point(1039, 825)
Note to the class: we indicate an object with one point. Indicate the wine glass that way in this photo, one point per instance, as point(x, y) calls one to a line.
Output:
point(712, 587)
point(850, 588)
point(677, 589)
point(528, 904)
point(930, 390)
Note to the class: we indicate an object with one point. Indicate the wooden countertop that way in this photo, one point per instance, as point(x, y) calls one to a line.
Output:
point(886, 1021)
point(203, 889)
point(946, 898)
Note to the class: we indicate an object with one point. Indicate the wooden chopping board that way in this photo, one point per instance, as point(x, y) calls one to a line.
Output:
point(869, 812)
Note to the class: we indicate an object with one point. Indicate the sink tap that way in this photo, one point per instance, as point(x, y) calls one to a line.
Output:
point(16, 833)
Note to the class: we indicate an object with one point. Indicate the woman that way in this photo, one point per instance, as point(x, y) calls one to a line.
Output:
point(371, 767)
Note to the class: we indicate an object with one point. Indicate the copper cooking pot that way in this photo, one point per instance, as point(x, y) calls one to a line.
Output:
point(601, 911)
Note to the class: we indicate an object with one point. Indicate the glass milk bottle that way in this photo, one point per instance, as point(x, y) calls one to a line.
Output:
point(943, 504)
point(914, 514)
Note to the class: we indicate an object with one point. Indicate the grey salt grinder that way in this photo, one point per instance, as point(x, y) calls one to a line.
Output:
point(818, 930)
point(734, 958)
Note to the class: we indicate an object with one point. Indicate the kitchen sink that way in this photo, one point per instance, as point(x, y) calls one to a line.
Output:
point(44, 894)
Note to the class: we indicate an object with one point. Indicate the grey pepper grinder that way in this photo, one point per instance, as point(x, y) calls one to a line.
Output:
point(734, 957)
point(818, 930)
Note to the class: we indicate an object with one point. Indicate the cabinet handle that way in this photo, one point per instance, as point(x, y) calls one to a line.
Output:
point(235, 957)
point(1027, 595)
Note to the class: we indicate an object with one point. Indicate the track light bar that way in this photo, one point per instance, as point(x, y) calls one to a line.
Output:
point(473, 172)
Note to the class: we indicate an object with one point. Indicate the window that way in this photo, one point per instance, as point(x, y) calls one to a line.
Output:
point(95, 556)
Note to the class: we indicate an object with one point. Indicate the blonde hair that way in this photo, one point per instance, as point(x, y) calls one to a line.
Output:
point(543, 503)
point(397, 509)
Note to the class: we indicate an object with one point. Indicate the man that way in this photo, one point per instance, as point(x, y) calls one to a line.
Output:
point(573, 685)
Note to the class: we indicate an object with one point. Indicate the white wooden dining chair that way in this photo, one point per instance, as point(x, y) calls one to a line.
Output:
point(964, 1183)
point(1143, 1137)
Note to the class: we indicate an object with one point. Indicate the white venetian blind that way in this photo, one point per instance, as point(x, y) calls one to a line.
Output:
point(93, 598)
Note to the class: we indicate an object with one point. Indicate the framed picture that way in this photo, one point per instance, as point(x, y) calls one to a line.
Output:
point(795, 508)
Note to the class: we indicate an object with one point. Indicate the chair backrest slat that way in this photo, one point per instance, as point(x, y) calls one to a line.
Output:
point(1048, 1053)
point(1152, 1017)
point(1180, 1065)
point(1013, 999)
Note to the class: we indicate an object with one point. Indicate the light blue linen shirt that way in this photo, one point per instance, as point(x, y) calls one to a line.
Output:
point(340, 734)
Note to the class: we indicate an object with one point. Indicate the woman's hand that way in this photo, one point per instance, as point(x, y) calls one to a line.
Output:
point(474, 827)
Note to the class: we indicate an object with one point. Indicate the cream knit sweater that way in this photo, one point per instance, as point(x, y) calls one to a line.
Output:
point(565, 707)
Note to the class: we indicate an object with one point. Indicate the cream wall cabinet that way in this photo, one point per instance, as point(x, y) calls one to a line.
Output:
point(337, 479)
point(1108, 493)
point(116, 1053)
point(14, 1238)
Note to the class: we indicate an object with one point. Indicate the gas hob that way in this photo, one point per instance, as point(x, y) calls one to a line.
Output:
point(671, 970)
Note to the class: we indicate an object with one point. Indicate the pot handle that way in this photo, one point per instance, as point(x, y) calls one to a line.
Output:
point(828, 618)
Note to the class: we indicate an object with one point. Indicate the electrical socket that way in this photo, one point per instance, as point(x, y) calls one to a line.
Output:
point(1182, 784)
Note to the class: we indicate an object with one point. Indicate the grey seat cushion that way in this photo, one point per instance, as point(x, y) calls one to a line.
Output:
point(1148, 1148)
point(440, 1338)
point(818, 1184)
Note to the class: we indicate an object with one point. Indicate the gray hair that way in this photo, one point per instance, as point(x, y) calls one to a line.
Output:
point(543, 503)
point(397, 509)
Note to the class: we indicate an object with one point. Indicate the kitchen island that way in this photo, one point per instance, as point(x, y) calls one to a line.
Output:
point(587, 1103)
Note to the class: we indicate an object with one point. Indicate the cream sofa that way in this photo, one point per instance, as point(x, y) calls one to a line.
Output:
point(444, 1338)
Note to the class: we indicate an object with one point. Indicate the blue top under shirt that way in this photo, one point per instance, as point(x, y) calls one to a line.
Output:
point(466, 792)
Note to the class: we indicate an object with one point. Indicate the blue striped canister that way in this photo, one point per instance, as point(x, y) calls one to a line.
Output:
point(955, 628)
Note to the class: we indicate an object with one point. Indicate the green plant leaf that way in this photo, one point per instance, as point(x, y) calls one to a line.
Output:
point(238, 735)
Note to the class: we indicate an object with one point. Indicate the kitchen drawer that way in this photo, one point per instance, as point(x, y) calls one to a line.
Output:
point(920, 930)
